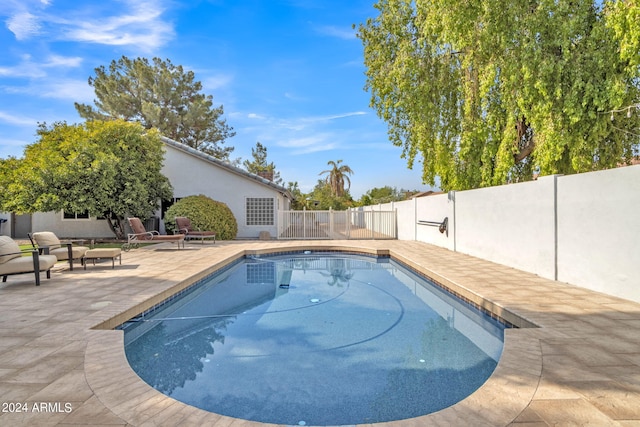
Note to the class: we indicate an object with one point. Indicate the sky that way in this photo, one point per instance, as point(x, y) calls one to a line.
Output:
point(289, 74)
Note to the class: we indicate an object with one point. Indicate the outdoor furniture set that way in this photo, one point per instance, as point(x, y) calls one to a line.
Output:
point(47, 249)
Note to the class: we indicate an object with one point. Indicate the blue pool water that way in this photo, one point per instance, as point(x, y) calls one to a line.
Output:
point(328, 339)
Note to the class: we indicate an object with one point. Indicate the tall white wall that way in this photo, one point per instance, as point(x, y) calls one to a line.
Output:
point(599, 231)
point(582, 229)
point(511, 225)
point(435, 209)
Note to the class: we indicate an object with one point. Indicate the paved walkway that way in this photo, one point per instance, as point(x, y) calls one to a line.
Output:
point(60, 367)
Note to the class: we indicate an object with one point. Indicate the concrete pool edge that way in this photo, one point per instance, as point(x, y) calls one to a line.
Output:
point(499, 401)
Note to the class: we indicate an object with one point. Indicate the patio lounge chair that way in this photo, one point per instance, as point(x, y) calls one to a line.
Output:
point(141, 235)
point(12, 260)
point(62, 250)
point(183, 226)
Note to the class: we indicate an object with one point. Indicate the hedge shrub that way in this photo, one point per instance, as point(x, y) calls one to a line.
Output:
point(205, 214)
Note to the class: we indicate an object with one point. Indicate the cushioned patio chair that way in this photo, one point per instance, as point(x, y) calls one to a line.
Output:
point(12, 260)
point(141, 235)
point(62, 250)
point(183, 226)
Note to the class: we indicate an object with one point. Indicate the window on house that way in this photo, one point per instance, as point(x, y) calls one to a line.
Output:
point(75, 215)
point(260, 211)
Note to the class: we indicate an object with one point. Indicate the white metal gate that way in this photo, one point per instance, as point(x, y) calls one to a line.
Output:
point(337, 225)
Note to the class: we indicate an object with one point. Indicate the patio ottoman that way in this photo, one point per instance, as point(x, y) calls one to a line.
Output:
point(101, 253)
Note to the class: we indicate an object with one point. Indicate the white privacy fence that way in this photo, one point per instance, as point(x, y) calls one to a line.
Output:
point(337, 225)
point(582, 229)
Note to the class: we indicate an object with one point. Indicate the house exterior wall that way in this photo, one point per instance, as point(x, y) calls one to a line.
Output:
point(91, 228)
point(191, 175)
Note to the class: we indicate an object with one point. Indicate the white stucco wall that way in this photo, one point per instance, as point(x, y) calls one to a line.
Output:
point(68, 228)
point(191, 175)
point(582, 229)
point(435, 208)
point(599, 231)
point(510, 224)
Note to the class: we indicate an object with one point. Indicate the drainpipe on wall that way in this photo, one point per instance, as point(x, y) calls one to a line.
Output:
point(415, 218)
point(452, 198)
point(555, 227)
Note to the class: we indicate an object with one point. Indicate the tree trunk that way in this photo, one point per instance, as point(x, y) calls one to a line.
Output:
point(525, 140)
point(116, 225)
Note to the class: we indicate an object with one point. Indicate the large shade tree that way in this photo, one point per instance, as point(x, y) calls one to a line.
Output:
point(159, 95)
point(108, 169)
point(489, 92)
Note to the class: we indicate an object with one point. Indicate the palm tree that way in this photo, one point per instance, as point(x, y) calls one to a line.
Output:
point(336, 177)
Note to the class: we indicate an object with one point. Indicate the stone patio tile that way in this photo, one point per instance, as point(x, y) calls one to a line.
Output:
point(617, 401)
point(32, 419)
point(92, 412)
point(46, 370)
point(25, 356)
point(574, 412)
point(18, 392)
point(71, 387)
point(530, 417)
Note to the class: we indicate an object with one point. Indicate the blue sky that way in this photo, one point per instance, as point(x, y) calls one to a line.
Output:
point(289, 74)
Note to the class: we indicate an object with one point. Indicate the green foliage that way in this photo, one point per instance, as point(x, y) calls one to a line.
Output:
point(105, 168)
point(162, 96)
point(337, 177)
point(260, 166)
point(299, 199)
point(323, 198)
point(487, 92)
point(205, 214)
point(384, 194)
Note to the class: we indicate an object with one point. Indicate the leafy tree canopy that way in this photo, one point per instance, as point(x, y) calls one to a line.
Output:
point(260, 165)
point(322, 197)
point(337, 178)
point(103, 168)
point(384, 194)
point(488, 92)
point(299, 198)
point(163, 96)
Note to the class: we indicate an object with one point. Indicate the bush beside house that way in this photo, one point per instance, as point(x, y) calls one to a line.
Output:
point(205, 214)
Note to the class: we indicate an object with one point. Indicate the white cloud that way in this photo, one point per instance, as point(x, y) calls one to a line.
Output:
point(299, 135)
point(31, 69)
point(347, 33)
point(216, 81)
point(62, 61)
point(23, 25)
point(17, 120)
point(73, 90)
point(138, 23)
point(310, 144)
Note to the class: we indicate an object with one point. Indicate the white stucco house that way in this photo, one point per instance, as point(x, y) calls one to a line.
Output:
point(254, 200)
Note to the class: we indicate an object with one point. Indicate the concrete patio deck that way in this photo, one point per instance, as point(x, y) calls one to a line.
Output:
point(60, 367)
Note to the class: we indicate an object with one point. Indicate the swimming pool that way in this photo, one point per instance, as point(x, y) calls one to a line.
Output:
point(315, 339)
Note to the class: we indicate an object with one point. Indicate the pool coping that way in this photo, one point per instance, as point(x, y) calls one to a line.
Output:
point(106, 366)
point(580, 366)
